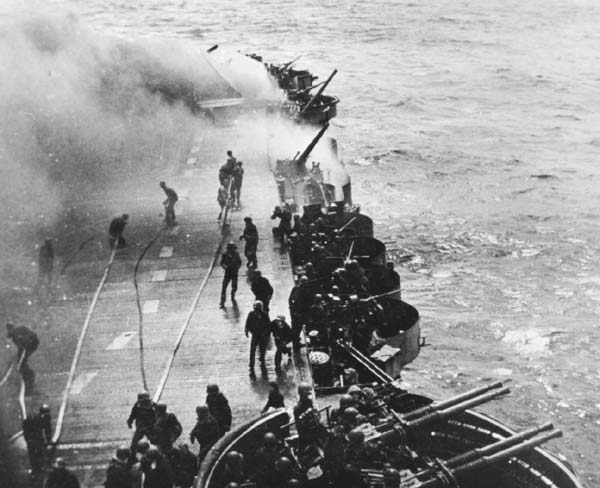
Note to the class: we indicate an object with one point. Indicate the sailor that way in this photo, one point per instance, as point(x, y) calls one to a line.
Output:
point(298, 302)
point(284, 228)
point(299, 227)
point(219, 407)
point(234, 469)
point(226, 170)
point(115, 231)
point(169, 204)
point(144, 416)
point(45, 265)
point(262, 289)
point(186, 467)
point(37, 431)
point(345, 402)
point(275, 399)
point(250, 235)
point(230, 262)
point(137, 459)
point(26, 341)
point(282, 334)
point(166, 428)
point(118, 473)
point(61, 477)
point(206, 431)
point(304, 400)
point(236, 185)
point(157, 470)
point(264, 460)
point(259, 325)
point(222, 199)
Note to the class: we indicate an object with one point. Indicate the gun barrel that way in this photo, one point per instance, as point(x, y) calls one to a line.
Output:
point(497, 446)
point(431, 417)
point(321, 90)
point(452, 401)
point(304, 156)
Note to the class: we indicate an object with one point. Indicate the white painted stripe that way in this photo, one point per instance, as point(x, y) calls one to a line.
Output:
point(166, 252)
point(82, 381)
point(120, 341)
point(191, 161)
point(89, 445)
point(150, 306)
point(159, 275)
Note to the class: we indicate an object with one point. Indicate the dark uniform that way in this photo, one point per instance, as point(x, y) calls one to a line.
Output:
point(206, 431)
point(115, 231)
point(219, 407)
point(45, 264)
point(259, 325)
point(275, 399)
point(169, 204)
point(26, 341)
point(185, 466)
point(61, 477)
point(157, 470)
point(282, 333)
point(230, 262)
point(236, 186)
point(250, 235)
point(299, 302)
point(144, 416)
point(118, 473)
point(284, 229)
point(166, 428)
point(37, 431)
point(262, 289)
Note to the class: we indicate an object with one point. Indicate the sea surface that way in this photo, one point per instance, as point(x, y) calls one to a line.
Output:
point(471, 130)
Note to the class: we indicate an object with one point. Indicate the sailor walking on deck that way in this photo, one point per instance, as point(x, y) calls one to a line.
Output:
point(115, 231)
point(236, 184)
point(250, 235)
point(37, 431)
point(226, 170)
point(282, 334)
point(219, 407)
point(262, 289)
point(222, 199)
point(231, 263)
point(169, 204)
point(167, 428)
point(206, 431)
point(259, 325)
point(144, 416)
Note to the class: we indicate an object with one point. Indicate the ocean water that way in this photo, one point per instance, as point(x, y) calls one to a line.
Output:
point(471, 132)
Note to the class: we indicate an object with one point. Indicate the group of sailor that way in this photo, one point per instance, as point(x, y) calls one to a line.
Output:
point(231, 175)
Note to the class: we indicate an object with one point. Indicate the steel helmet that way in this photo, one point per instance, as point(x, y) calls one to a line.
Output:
point(152, 453)
point(234, 458)
point(202, 410)
point(143, 395)
point(270, 439)
point(346, 401)
point(354, 389)
point(212, 388)
point(350, 414)
point(356, 436)
point(142, 446)
point(161, 407)
point(283, 465)
point(122, 452)
point(304, 389)
point(44, 408)
point(258, 305)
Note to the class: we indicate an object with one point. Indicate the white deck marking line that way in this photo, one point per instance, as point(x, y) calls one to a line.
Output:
point(165, 252)
point(150, 306)
point(63, 406)
point(89, 445)
point(121, 340)
point(82, 381)
point(159, 275)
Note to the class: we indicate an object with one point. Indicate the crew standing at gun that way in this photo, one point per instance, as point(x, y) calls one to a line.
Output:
point(231, 263)
point(169, 204)
point(250, 235)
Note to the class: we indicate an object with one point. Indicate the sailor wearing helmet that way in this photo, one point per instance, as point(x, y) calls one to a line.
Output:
point(230, 262)
point(259, 325)
point(282, 334)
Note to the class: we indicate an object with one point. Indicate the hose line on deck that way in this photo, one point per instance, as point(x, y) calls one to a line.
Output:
point(139, 307)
